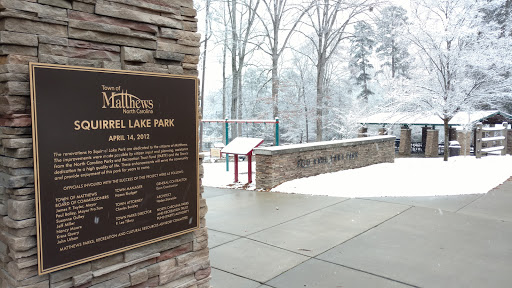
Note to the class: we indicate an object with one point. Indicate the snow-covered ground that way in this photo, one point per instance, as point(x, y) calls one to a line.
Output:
point(405, 177)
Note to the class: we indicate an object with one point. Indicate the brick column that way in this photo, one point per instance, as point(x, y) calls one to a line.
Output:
point(405, 142)
point(431, 147)
point(363, 132)
point(464, 138)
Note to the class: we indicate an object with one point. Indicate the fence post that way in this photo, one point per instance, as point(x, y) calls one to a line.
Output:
point(504, 141)
point(478, 138)
point(277, 131)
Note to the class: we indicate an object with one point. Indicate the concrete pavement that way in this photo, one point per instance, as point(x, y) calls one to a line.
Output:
point(261, 239)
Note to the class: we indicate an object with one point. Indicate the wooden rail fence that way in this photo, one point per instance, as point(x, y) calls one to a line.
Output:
point(491, 140)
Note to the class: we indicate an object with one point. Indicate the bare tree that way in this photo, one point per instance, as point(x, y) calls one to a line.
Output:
point(224, 52)
point(240, 36)
point(330, 20)
point(284, 19)
point(207, 23)
point(296, 97)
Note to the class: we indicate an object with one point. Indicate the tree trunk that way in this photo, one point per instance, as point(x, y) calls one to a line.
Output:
point(224, 101)
point(320, 97)
point(365, 84)
point(446, 139)
point(303, 94)
point(240, 99)
point(275, 59)
point(203, 73)
point(234, 70)
point(275, 87)
point(234, 103)
point(506, 12)
point(393, 51)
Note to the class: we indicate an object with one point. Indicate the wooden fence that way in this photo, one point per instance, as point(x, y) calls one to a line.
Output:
point(491, 140)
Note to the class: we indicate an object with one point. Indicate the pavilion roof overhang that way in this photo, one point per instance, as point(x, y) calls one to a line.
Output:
point(459, 119)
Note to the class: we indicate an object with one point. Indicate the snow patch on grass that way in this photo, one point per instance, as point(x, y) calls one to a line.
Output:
point(406, 177)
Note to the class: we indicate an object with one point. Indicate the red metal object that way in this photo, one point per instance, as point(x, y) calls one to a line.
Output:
point(236, 168)
point(242, 146)
point(250, 167)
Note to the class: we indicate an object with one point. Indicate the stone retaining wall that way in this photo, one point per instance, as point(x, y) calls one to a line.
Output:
point(143, 35)
point(276, 165)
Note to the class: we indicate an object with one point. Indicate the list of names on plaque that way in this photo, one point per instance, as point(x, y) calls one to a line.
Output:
point(72, 210)
point(117, 172)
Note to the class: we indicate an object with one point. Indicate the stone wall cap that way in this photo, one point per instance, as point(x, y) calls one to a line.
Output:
point(276, 150)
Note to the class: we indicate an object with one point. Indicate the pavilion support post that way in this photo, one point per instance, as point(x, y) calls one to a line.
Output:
point(424, 137)
point(464, 138)
point(452, 134)
point(249, 169)
point(363, 132)
point(236, 168)
point(405, 142)
point(383, 131)
point(431, 149)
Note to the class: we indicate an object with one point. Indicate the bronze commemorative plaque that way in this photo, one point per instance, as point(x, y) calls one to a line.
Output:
point(115, 161)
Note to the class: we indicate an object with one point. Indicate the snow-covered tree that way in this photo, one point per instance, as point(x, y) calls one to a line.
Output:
point(298, 98)
point(242, 16)
point(279, 19)
point(206, 37)
point(329, 21)
point(361, 49)
point(462, 63)
point(345, 123)
point(258, 100)
point(392, 44)
point(500, 13)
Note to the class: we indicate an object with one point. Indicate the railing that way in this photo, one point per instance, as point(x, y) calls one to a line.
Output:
point(491, 140)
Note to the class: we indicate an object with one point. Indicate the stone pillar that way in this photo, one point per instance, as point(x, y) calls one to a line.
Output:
point(383, 131)
point(405, 142)
point(509, 142)
point(464, 138)
point(431, 147)
point(152, 36)
point(363, 132)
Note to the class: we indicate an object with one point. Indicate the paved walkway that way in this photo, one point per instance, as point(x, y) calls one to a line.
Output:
point(260, 239)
